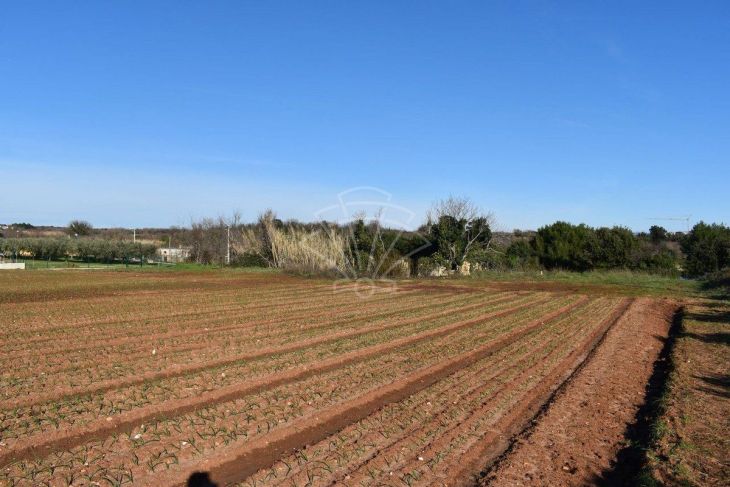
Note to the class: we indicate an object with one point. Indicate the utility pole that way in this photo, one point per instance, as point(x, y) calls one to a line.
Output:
point(134, 235)
point(228, 245)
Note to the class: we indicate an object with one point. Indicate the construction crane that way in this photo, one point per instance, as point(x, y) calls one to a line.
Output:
point(685, 218)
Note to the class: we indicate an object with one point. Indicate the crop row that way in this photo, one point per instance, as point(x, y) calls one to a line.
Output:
point(101, 291)
point(266, 306)
point(96, 314)
point(413, 357)
point(404, 441)
point(78, 410)
point(213, 339)
point(221, 352)
point(173, 347)
point(236, 461)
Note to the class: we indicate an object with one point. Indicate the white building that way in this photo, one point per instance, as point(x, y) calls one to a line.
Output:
point(169, 254)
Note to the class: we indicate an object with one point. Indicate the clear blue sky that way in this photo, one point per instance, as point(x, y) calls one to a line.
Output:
point(152, 113)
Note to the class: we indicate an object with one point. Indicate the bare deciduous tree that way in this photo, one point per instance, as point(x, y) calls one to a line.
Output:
point(458, 207)
point(460, 228)
point(80, 228)
point(209, 238)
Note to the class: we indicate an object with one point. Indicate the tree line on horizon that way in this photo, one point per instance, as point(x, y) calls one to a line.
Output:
point(84, 250)
point(78, 245)
point(456, 231)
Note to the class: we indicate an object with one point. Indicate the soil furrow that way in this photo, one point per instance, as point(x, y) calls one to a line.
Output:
point(474, 386)
point(167, 315)
point(142, 352)
point(126, 421)
point(236, 464)
point(313, 321)
point(103, 386)
point(580, 436)
point(311, 394)
point(494, 442)
point(299, 312)
point(468, 426)
point(22, 424)
point(148, 287)
point(206, 327)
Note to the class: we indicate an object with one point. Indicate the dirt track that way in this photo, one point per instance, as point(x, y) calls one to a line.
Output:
point(580, 435)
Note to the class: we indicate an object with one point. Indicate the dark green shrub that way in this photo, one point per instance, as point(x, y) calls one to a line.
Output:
point(457, 240)
point(707, 248)
point(521, 255)
point(657, 234)
point(614, 247)
point(565, 246)
point(662, 261)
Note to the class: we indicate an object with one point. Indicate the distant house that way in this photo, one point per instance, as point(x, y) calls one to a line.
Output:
point(169, 254)
point(7, 263)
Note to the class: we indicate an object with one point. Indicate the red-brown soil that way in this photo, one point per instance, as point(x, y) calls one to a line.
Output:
point(582, 431)
point(144, 378)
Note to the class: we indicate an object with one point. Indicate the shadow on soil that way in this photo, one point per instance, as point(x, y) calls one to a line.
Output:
point(201, 479)
point(720, 317)
point(718, 286)
point(718, 385)
point(716, 317)
point(632, 457)
point(723, 338)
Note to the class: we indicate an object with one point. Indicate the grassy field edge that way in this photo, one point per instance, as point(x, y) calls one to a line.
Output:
point(685, 444)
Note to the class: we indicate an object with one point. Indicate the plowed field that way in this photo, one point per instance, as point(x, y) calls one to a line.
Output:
point(115, 378)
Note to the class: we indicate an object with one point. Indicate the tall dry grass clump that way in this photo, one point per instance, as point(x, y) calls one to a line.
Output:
point(311, 252)
point(301, 250)
point(319, 249)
